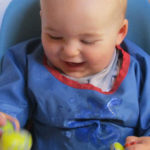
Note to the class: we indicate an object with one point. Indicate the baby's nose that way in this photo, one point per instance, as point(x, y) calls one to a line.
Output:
point(71, 49)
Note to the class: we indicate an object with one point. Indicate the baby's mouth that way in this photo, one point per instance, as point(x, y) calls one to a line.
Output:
point(72, 64)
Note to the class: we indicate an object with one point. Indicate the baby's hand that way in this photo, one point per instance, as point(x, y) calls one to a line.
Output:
point(11, 136)
point(138, 143)
point(8, 123)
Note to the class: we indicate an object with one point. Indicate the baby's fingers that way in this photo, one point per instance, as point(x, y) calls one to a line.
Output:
point(11, 119)
point(137, 147)
point(2, 121)
point(137, 143)
point(131, 140)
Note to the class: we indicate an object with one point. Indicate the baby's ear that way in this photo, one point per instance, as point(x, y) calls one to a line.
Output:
point(122, 32)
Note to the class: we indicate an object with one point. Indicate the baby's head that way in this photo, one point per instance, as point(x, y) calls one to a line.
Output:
point(79, 36)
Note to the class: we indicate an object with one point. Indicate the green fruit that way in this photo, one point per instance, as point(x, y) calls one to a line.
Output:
point(16, 140)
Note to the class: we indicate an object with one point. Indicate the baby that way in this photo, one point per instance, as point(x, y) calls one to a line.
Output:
point(83, 86)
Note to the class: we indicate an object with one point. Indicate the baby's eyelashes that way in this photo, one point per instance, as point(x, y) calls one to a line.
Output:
point(86, 42)
point(56, 37)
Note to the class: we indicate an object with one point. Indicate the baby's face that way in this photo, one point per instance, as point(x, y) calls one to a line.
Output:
point(79, 36)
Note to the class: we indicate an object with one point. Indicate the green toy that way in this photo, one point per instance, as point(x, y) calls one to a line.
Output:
point(14, 140)
point(117, 146)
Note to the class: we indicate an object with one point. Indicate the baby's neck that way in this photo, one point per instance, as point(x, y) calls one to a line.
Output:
point(103, 79)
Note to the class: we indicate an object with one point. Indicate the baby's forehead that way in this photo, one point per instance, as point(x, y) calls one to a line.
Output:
point(116, 5)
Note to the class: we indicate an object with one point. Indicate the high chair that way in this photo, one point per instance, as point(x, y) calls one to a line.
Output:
point(21, 21)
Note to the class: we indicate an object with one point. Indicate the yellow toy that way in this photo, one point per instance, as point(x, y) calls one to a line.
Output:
point(116, 146)
point(13, 139)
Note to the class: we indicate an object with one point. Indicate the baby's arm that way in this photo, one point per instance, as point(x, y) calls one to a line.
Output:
point(142, 142)
point(138, 143)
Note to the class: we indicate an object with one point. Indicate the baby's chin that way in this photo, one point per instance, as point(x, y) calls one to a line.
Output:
point(76, 74)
